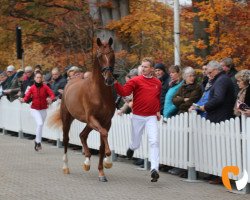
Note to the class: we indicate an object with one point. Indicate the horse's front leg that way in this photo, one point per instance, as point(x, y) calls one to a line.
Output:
point(102, 176)
point(104, 148)
point(84, 136)
point(107, 160)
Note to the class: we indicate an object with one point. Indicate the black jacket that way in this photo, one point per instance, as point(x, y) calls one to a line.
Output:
point(221, 99)
point(28, 82)
point(59, 83)
point(165, 79)
point(231, 74)
point(247, 97)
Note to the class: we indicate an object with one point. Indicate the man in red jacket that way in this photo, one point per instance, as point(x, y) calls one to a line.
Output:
point(146, 91)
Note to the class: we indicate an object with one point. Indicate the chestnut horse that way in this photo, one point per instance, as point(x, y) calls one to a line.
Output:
point(90, 100)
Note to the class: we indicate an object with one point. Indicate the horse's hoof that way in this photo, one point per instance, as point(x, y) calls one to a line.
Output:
point(107, 165)
point(66, 170)
point(86, 167)
point(103, 179)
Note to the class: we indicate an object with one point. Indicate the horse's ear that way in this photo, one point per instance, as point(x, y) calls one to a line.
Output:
point(110, 41)
point(98, 41)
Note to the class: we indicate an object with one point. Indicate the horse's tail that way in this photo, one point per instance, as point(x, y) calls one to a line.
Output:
point(55, 120)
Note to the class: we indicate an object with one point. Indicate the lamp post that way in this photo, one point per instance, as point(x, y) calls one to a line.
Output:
point(177, 60)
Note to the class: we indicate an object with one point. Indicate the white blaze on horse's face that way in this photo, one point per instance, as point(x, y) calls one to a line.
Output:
point(106, 58)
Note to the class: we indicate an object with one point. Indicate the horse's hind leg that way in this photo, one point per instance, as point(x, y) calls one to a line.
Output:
point(66, 120)
point(84, 136)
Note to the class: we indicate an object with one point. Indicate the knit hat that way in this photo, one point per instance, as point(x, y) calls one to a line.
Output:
point(160, 66)
point(10, 68)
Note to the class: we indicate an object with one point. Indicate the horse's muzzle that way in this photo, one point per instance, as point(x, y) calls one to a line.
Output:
point(109, 81)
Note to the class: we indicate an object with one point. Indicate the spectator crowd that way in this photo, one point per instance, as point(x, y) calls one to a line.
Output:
point(218, 94)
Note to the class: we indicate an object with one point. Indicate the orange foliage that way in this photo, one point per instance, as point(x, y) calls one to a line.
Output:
point(55, 32)
point(59, 32)
point(229, 29)
point(146, 30)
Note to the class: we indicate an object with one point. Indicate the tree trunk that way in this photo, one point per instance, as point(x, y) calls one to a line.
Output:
point(94, 11)
point(200, 33)
point(105, 14)
point(124, 7)
point(116, 15)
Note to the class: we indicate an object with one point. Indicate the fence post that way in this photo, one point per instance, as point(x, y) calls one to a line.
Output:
point(145, 152)
point(4, 131)
point(192, 175)
point(58, 143)
point(146, 162)
point(246, 190)
point(245, 123)
point(20, 134)
point(113, 156)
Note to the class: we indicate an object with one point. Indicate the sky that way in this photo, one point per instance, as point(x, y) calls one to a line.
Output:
point(182, 2)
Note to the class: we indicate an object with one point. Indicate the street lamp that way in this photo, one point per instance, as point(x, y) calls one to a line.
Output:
point(177, 60)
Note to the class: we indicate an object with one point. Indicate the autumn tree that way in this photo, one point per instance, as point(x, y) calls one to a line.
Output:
point(228, 25)
point(103, 12)
point(145, 30)
point(57, 31)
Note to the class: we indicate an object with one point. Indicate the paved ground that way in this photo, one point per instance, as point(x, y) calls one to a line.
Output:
point(28, 175)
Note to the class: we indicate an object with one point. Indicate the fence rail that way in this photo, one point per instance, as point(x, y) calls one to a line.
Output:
point(186, 140)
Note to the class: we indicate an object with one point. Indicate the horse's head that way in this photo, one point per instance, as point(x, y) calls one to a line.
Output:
point(106, 58)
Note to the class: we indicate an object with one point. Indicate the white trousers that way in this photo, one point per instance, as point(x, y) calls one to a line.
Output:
point(139, 123)
point(39, 116)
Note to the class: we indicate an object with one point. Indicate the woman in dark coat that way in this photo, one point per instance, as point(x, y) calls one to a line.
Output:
point(242, 104)
point(189, 93)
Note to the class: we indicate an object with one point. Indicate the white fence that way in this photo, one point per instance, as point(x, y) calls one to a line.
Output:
point(186, 140)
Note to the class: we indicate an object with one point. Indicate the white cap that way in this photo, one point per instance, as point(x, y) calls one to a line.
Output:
point(10, 68)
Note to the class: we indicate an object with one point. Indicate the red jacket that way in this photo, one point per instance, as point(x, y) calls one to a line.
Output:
point(39, 96)
point(146, 94)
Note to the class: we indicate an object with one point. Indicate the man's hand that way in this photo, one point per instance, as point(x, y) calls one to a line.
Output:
point(60, 91)
point(21, 100)
point(202, 108)
point(49, 101)
point(8, 91)
point(158, 115)
point(191, 109)
point(245, 112)
point(119, 112)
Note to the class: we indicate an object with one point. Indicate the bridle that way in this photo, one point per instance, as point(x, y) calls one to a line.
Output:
point(105, 69)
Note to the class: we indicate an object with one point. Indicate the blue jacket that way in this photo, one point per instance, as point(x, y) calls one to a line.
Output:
point(169, 108)
point(203, 100)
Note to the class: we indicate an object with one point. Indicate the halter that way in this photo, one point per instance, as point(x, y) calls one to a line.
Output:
point(104, 69)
